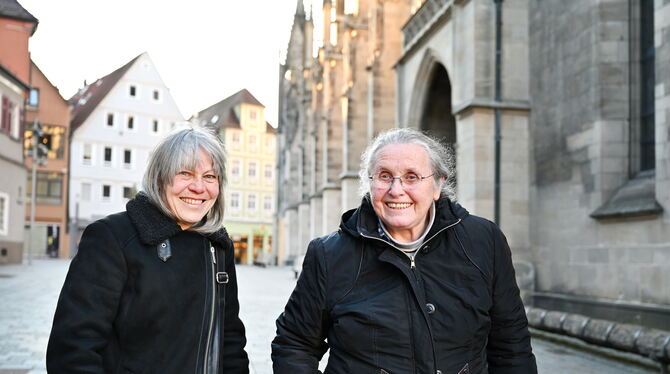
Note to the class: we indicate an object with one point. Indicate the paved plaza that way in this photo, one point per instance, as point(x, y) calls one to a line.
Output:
point(29, 294)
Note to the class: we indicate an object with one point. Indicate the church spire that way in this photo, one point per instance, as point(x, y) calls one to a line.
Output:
point(300, 9)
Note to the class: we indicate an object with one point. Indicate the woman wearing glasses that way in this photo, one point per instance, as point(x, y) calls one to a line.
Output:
point(410, 283)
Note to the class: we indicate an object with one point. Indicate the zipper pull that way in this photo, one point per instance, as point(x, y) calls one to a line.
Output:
point(211, 249)
point(412, 264)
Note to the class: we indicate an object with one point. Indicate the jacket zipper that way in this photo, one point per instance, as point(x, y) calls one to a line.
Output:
point(412, 265)
point(212, 310)
point(412, 261)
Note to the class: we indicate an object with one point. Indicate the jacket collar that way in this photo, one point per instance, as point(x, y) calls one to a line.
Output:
point(363, 220)
point(154, 227)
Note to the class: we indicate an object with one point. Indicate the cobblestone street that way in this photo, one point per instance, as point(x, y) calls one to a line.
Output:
point(29, 295)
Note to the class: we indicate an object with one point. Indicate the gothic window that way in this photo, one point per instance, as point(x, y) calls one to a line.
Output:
point(647, 85)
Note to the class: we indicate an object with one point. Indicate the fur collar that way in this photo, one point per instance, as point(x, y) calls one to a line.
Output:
point(154, 227)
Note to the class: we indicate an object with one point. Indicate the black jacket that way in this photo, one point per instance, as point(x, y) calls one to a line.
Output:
point(456, 311)
point(141, 297)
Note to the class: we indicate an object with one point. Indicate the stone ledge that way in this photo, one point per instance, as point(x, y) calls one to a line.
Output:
point(647, 342)
point(635, 198)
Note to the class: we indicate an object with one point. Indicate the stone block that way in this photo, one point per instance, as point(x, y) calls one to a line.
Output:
point(554, 320)
point(651, 343)
point(598, 255)
point(597, 331)
point(623, 336)
point(535, 316)
point(641, 255)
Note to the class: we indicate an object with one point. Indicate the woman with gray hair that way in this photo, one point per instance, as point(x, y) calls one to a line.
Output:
point(153, 289)
point(410, 283)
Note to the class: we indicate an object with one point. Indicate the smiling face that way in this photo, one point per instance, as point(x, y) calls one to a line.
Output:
point(192, 193)
point(404, 212)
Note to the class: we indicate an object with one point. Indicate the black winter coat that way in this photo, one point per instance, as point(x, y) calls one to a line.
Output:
point(141, 296)
point(457, 310)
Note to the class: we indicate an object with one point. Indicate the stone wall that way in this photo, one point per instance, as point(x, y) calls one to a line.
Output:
point(581, 94)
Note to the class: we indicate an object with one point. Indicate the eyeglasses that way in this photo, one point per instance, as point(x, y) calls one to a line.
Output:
point(384, 179)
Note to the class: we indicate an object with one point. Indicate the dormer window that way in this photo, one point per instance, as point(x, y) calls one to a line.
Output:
point(132, 91)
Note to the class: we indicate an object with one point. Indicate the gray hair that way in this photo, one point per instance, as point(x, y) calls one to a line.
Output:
point(178, 151)
point(440, 155)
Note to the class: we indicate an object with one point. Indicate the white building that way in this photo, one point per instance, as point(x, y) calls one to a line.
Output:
point(116, 121)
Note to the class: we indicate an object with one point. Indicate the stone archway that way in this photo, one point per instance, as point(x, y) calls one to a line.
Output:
point(430, 107)
point(436, 115)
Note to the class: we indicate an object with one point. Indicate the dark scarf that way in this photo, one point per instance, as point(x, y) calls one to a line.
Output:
point(154, 226)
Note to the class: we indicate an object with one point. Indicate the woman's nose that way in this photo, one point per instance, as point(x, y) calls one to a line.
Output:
point(396, 187)
point(198, 185)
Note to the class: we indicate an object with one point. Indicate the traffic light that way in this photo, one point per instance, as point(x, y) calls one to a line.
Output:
point(41, 141)
point(43, 145)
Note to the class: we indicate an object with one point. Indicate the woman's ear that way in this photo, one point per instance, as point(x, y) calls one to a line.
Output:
point(438, 190)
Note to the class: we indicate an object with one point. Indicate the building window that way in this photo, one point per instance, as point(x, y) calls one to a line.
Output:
point(48, 188)
point(110, 119)
point(235, 200)
point(106, 192)
point(131, 122)
point(235, 168)
point(269, 146)
point(647, 86)
point(86, 155)
point(157, 95)
point(251, 202)
point(236, 138)
point(33, 97)
point(4, 213)
point(154, 126)
point(133, 91)
point(128, 193)
point(252, 169)
point(267, 203)
point(252, 140)
point(108, 156)
point(127, 158)
point(86, 192)
point(253, 115)
point(268, 171)
point(6, 119)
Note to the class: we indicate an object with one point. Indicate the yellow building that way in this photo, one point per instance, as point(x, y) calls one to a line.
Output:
point(250, 193)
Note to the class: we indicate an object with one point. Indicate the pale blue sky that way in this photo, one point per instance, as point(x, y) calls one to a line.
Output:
point(205, 50)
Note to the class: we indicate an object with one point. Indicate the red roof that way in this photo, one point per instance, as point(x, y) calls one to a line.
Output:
point(87, 99)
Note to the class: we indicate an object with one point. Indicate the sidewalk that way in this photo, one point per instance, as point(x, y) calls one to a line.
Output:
point(29, 295)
